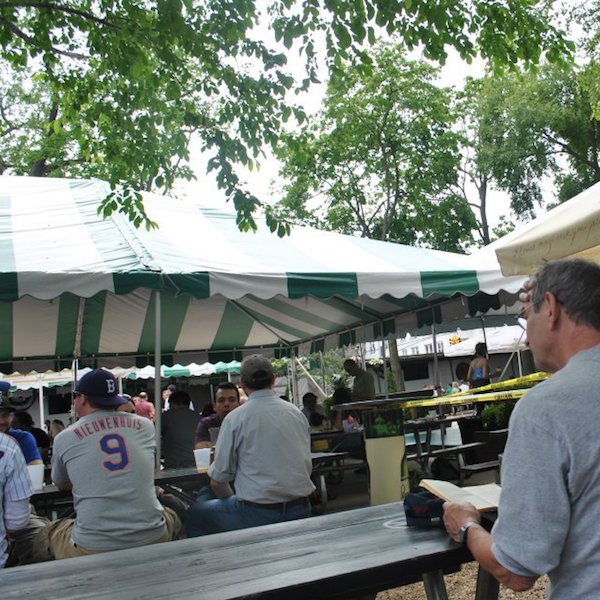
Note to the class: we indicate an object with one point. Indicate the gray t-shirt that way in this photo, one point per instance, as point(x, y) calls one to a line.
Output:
point(264, 445)
point(109, 459)
point(550, 501)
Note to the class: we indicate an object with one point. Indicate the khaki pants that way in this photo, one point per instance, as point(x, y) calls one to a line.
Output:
point(54, 541)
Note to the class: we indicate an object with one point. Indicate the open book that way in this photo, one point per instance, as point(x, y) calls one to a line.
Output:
point(483, 497)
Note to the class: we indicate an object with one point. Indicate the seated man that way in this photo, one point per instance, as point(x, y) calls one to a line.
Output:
point(178, 426)
point(310, 406)
point(25, 439)
point(264, 445)
point(15, 490)
point(23, 420)
point(227, 397)
point(107, 459)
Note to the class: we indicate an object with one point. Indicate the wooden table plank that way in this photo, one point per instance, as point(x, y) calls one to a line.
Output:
point(333, 555)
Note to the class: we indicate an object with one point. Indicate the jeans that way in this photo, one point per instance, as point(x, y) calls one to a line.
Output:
point(213, 515)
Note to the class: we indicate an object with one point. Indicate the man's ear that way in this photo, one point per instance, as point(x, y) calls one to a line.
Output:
point(554, 309)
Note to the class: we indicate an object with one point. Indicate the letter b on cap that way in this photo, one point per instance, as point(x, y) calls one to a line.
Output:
point(110, 386)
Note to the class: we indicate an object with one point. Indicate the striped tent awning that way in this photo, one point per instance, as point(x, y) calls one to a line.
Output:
point(75, 284)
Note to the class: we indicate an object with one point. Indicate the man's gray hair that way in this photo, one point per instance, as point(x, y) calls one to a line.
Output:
point(575, 284)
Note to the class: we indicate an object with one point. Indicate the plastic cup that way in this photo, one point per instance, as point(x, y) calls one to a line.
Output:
point(36, 473)
point(202, 456)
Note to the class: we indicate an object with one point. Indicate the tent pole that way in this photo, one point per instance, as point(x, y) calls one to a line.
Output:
point(298, 363)
point(385, 385)
point(322, 371)
point(41, 402)
point(157, 375)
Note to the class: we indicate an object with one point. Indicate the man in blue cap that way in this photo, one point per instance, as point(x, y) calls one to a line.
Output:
point(107, 459)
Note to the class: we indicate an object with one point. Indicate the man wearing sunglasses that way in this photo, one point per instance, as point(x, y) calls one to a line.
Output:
point(550, 503)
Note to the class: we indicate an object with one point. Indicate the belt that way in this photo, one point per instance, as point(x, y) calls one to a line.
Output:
point(277, 505)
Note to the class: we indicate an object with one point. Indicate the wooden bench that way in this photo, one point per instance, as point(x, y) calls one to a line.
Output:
point(448, 450)
point(347, 555)
point(465, 470)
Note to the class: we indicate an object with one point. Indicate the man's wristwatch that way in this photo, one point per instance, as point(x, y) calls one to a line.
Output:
point(464, 530)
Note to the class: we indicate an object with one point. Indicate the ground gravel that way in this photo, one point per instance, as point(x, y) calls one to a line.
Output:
point(461, 586)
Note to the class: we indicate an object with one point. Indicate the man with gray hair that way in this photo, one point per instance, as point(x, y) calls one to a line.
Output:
point(264, 446)
point(550, 503)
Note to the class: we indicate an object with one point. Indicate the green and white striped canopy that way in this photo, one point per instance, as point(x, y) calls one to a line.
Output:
point(75, 284)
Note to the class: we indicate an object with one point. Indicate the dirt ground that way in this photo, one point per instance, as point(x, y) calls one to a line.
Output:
point(461, 586)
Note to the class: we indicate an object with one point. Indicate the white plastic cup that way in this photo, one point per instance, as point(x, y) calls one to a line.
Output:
point(202, 456)
point(36, 473)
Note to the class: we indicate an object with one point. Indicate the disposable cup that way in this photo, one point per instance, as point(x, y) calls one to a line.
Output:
point(202, 456)
point(36, 472)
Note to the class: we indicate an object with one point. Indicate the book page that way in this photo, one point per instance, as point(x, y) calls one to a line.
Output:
point(483, 497)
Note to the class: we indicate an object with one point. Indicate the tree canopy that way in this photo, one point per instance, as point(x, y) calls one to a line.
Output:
point(381, 158)
point(124, 84)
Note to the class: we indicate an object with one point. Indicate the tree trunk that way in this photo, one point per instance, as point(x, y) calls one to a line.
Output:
point(395, 365)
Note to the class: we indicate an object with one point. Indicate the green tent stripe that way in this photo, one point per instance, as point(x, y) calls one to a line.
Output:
point(352, 310)
point(408, 303)
point(93, 314)
point(348, 338)
point(317, 346)
point(425, 317)
point(196, 284)
point(67, 324)
point(388, 327)
point(322, 285)
point(235, 326)
point(9, 285)
point(173, 311)
point(6, 331)
point(482, 302)
point(293, 331)
point(304, 315)
point(448, 283)
point(127, 282)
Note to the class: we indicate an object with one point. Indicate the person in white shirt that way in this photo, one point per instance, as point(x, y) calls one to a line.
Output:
point(16, 489)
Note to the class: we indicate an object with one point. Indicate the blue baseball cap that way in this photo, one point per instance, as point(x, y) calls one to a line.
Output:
point(100, 386)
point(4, 401)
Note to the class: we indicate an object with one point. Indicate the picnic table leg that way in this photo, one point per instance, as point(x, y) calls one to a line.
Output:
point(487, 586)
point(435, 588)
point(323, 490)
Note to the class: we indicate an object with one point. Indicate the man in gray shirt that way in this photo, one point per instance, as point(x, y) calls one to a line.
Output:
point(550, 501)
point(264, 446)
point(107, 459)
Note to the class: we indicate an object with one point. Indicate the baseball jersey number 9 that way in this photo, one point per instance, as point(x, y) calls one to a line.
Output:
point(114, 444)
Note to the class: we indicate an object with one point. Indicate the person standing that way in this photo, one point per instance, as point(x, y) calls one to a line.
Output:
point(107, 459)
point(363, 387)
point(479, 368)
point(550, 502)
point(264, 446)
point(15, 490)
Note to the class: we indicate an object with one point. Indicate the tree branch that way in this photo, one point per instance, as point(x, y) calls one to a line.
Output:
point(60, 8)
point(33, 43)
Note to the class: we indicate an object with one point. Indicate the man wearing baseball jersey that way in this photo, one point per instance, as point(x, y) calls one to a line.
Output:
point(15, 490)
point(107, 459)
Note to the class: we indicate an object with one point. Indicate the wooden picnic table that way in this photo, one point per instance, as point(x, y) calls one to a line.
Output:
point(342, 555)
point(50, 497)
